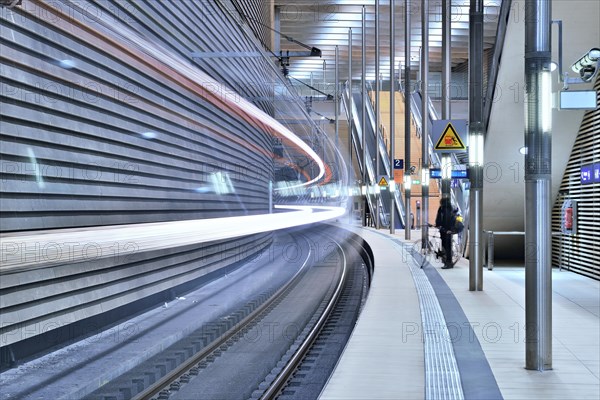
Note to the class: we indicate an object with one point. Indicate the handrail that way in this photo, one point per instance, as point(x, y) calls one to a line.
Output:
point(357, 126)
point(490, 245)
point(385, 160)
point(382, 150)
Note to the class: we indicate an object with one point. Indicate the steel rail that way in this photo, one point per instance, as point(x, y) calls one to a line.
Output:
point(165, 382)
point(286, 373)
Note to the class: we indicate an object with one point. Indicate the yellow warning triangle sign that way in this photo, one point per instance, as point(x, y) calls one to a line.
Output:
point(383, 181)
point(450, 140)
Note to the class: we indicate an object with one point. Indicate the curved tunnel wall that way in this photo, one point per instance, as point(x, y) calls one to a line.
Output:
point(96, 132)
point(94, 135)
point(579, 250)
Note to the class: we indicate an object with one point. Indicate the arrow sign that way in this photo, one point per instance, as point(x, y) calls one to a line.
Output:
point(447, 132)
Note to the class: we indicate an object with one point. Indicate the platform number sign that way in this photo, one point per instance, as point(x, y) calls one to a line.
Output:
point(587, 172)
point(398, 163)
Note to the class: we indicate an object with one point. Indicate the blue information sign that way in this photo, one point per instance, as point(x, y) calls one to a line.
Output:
point(586, 174)
point(398, 163)
point(460, 173)
point(596, 173)
point(436, 173)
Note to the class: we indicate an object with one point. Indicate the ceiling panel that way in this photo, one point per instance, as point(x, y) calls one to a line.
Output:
point(325, 24)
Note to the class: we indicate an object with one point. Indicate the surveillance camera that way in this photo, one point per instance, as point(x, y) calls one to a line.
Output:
point(587, 65)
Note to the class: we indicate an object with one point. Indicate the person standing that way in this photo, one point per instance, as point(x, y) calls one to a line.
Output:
point(444, 221)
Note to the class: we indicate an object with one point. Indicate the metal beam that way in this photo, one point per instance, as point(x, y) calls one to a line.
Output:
point(288, 53)
point(226, 54)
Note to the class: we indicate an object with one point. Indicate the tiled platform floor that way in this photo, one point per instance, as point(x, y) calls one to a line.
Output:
point(371, 369)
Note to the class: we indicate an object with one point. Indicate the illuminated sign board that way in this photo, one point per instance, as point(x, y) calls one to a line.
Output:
point(586, 174)
point(578, 100)
point(436, 173)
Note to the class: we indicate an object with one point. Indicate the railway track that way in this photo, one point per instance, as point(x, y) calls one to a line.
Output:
point(213, 345)
point(305, 379)
point(257, 351)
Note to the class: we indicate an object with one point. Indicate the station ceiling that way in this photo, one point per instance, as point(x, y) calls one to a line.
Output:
point(325, 25)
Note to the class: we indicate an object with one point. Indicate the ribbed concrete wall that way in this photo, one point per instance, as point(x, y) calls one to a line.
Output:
point(258, 14)
point(579, 250)
point(94, 134)
point(97, 131)
point(51, 301)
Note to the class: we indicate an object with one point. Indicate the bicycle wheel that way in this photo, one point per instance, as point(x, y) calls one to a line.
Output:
point(423, 251)
point(456, 255)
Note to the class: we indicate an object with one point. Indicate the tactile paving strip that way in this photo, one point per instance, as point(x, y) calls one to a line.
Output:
point(442, 377)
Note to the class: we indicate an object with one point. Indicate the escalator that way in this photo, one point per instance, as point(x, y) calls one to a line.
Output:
point(384, 198)
point(459, 196)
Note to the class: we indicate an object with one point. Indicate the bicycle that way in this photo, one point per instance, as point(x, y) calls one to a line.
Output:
point(434, 247)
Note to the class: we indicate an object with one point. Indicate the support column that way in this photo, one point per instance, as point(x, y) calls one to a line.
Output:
point(350, 117)
point(446, 114)
point(377, 117)
point(270, 197)
point(407, 122)
point(424, 124)
point(337, 97)
point(538, 141)
point(392, 114)
point(277, 28)
point(476, 138)
point(363, 92)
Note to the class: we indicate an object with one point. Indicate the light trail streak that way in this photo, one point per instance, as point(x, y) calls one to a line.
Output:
point(55, 247)
point(186, 74)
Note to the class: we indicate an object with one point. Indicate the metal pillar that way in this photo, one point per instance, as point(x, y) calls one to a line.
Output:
point(270, 197)
point(446, 69)
point(363, 92)
point(538, 237)
point(337, 97)
point(392, 113)
point(407, 124)
point(277, 27)
point(377, 121)
point(446, 57)
point(424, 116)
point(350, 105)
point(476, 131)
